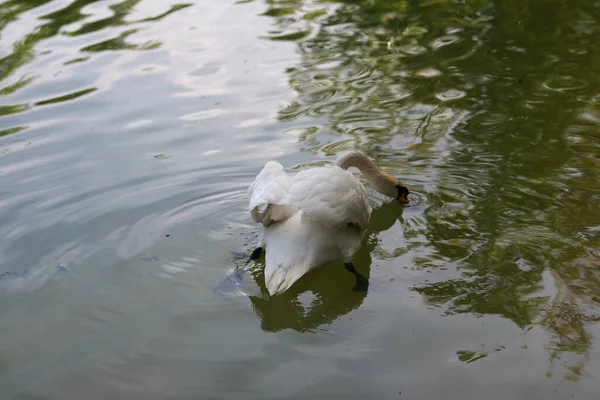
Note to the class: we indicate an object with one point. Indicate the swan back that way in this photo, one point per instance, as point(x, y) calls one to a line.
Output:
point(330, 195)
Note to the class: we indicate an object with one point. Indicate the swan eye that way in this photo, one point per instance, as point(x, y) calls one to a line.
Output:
point(402, 193)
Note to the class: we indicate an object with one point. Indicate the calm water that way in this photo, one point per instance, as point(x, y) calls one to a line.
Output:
point(130, 131)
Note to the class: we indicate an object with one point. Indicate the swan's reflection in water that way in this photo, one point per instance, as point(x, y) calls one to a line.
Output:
point(325, 293)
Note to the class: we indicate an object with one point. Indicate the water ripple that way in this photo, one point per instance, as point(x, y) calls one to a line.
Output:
point(130, 130)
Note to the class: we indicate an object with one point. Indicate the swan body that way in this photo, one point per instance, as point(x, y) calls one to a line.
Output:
point(315, 216)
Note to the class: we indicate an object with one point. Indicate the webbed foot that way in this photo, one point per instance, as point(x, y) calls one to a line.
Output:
point(255, 254)
point(362, 283)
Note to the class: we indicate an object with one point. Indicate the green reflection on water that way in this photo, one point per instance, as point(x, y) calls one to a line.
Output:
point(491, 110)
point(23, 51)
point(67, 97)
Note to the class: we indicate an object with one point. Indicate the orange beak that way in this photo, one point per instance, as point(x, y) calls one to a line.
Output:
point(402, 198)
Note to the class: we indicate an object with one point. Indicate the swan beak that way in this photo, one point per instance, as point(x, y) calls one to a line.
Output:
point(402, 194)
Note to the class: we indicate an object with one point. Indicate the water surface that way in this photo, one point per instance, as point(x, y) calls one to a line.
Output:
point(129, 132)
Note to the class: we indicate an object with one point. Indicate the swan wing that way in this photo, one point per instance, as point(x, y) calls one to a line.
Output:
point(267, 195)
point(330, 195)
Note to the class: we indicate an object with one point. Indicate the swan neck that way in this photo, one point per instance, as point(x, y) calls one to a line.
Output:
point(358, 160)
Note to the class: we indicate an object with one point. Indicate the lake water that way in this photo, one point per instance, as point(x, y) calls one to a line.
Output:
point(130, 130)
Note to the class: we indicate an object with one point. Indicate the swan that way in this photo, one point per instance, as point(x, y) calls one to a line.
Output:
point(315, 216)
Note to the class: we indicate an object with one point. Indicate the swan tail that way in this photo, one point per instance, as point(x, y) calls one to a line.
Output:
point(294, 247)
point(287, 258)
point(280, 277)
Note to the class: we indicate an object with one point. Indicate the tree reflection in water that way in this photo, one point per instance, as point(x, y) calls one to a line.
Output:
point(489, 109)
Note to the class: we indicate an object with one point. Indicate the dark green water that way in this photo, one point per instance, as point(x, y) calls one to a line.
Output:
point(130, 131)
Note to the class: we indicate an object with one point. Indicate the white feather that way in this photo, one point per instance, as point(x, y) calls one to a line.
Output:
point(300, 244)
point(316, 216)
point(267, 195)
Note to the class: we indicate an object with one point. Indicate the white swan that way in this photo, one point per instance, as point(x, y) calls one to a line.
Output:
point(318, 215)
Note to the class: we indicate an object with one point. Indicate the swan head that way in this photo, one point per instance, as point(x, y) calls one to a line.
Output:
point(402, 194)
point(383, 182)
point(391, 186)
